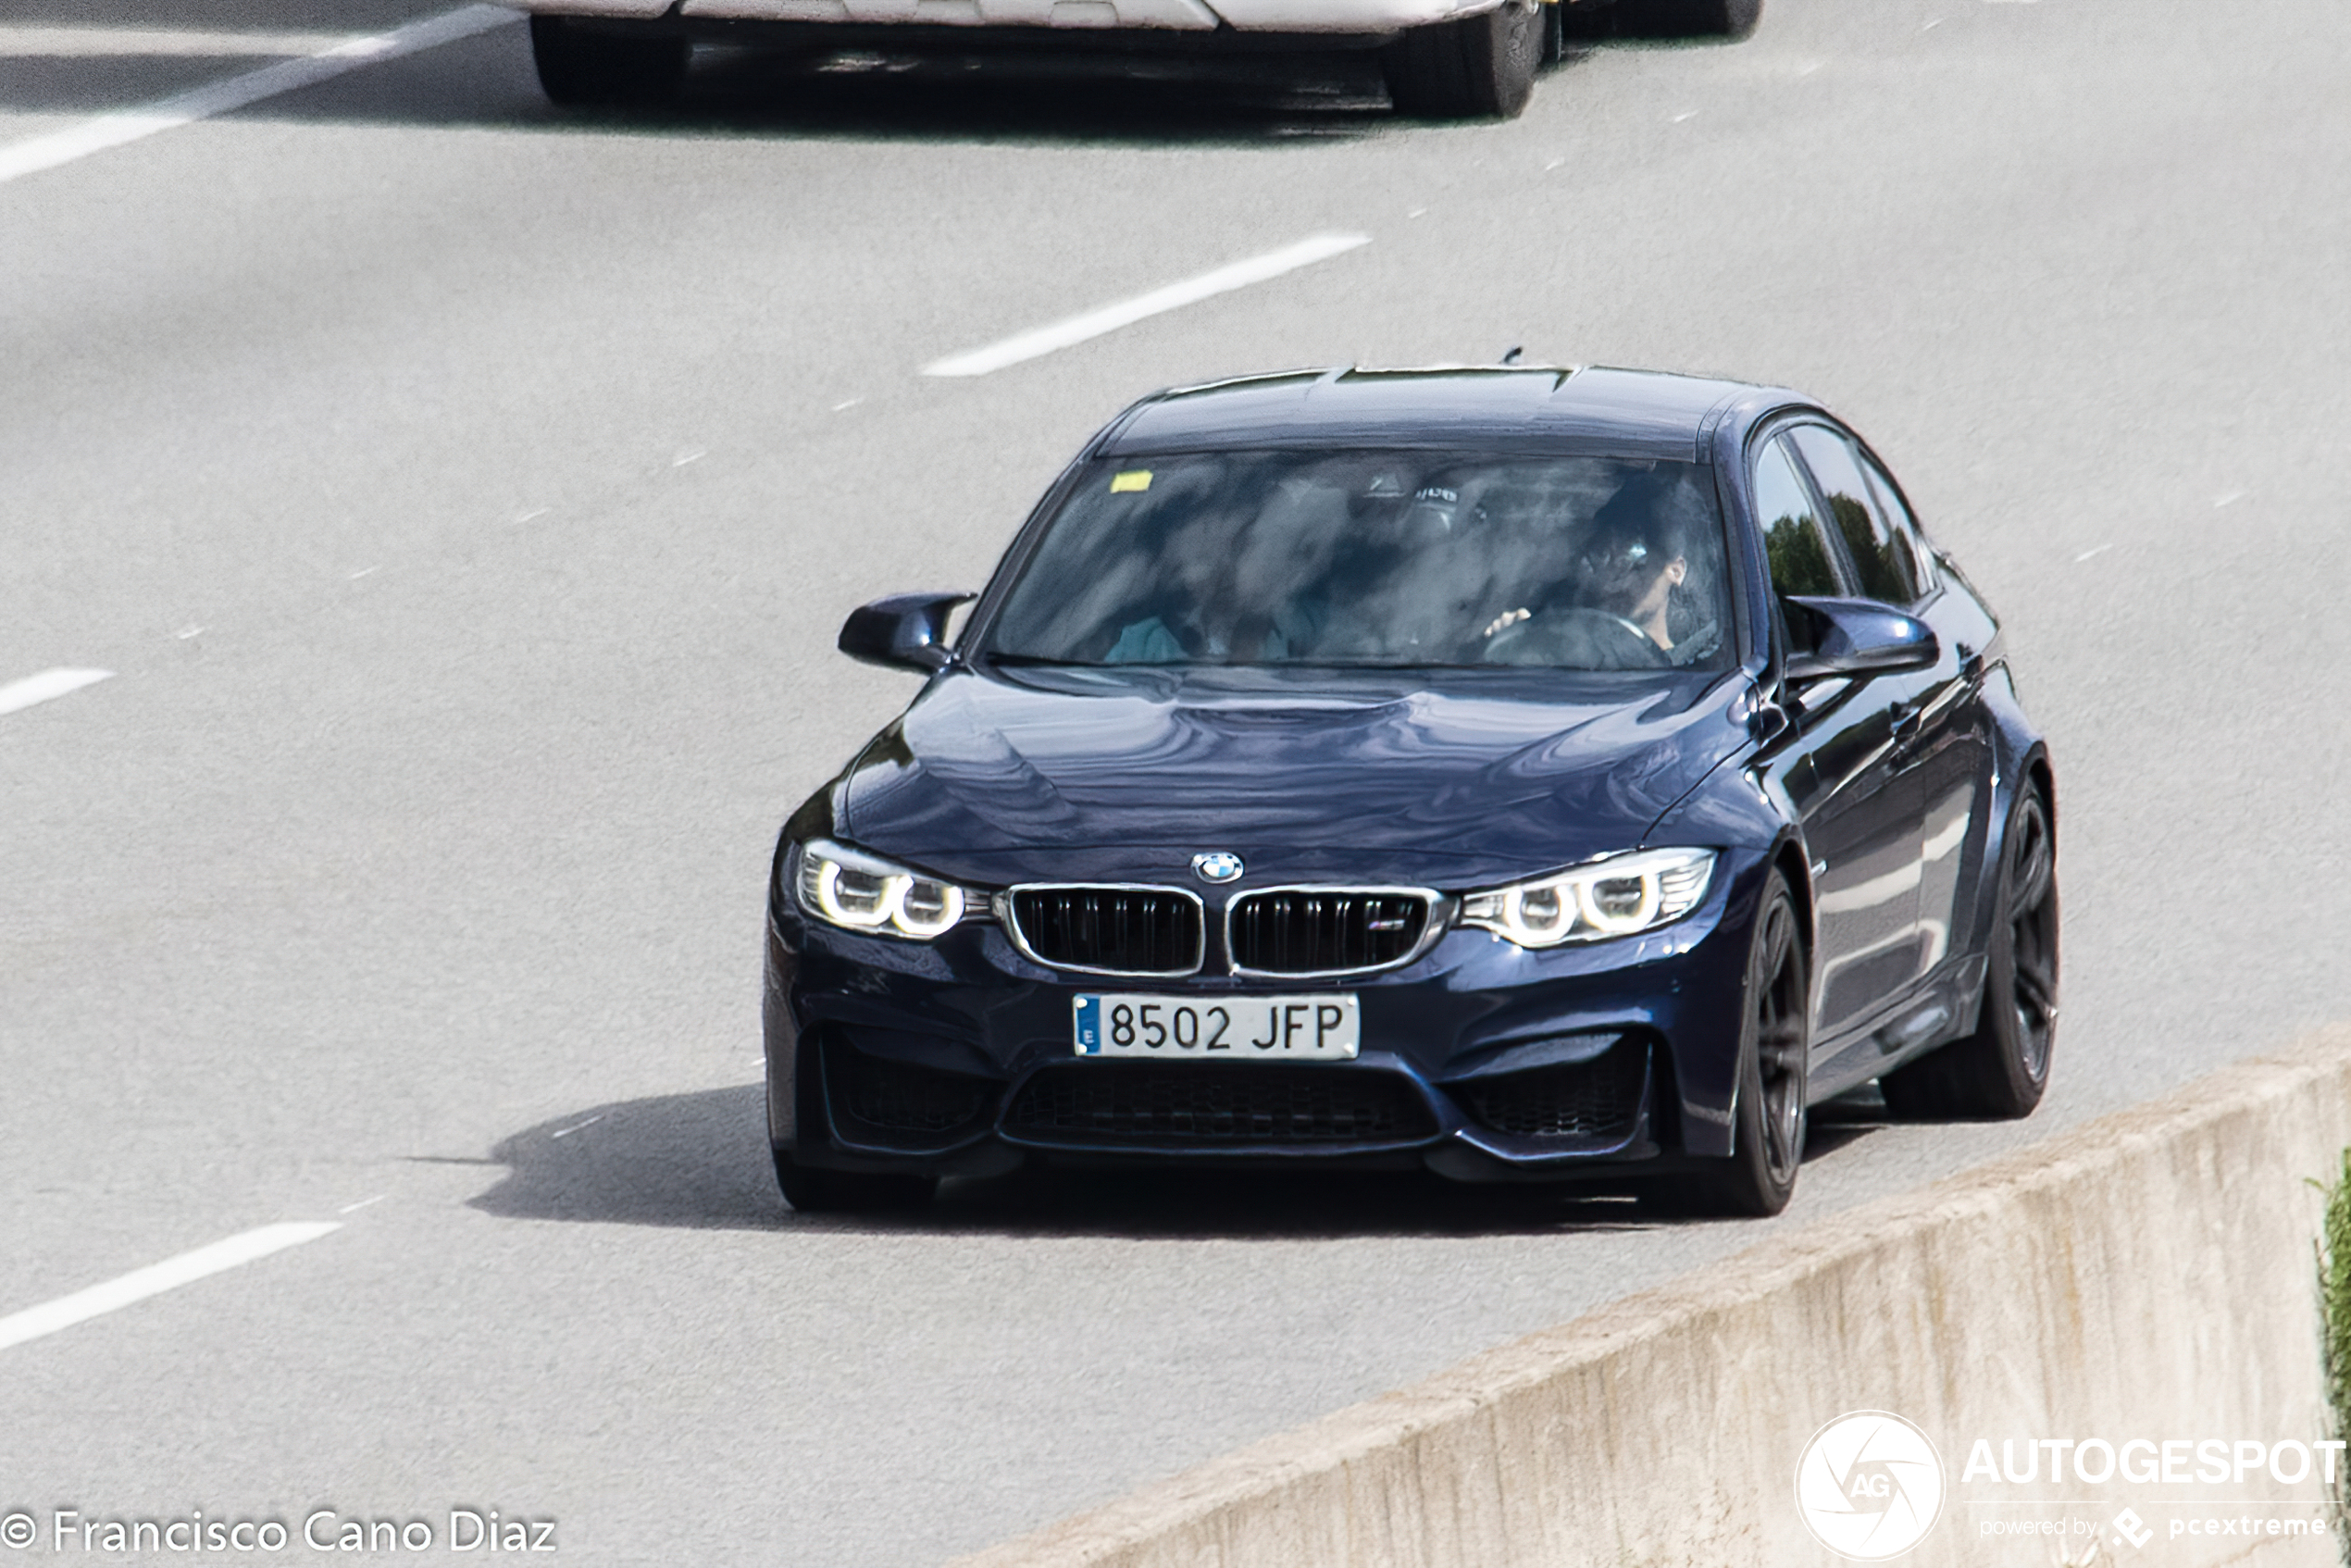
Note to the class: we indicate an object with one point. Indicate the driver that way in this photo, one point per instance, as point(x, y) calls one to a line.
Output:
point(1619, 608)
point(1634, 556)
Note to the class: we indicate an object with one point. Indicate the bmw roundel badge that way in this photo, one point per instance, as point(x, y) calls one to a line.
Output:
point(1216, 866)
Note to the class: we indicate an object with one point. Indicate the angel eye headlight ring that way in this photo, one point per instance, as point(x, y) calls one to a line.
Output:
point(1620, 896)
point(864, 892)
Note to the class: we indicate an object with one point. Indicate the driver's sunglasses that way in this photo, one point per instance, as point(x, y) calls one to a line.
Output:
point(1620, 558)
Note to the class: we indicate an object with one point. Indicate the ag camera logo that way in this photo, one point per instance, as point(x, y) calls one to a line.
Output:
point(1870, 1485)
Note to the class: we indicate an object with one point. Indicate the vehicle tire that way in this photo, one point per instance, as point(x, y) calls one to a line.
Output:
point(1776, 1039)
point(1554, 33)
point(2000, 1072)
point(1478, 68)
point(1685, 19)
point(814, 1191)
point(606, 65)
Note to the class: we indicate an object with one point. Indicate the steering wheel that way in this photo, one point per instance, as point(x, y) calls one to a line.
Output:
point(1583, 638)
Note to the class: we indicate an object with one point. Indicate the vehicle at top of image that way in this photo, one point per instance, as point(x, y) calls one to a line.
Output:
point(1518, 772)
point(1441, 60)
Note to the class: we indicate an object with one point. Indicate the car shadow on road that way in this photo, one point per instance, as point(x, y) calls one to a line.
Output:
point(699, 1160)
point(93, 57)
point(107, 62)
point(860, 95)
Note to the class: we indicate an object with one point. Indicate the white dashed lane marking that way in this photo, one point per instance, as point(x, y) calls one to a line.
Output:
point(96, 135)
point(49, 683)
point(1076, 330)
point(156, 1279)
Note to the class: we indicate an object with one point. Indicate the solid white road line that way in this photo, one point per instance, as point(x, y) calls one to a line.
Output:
point(156, 1279)
point(32, 156)
point(47, 684)
point(1110, 317)
point(18, 42)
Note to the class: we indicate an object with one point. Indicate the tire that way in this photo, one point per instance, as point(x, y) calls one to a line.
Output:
point(1775, 1038)
point(1554, 33)
point(606, 65)
point(1479, 68)
point(1684, 19)
point(814, 1191)
point(2000, 1072)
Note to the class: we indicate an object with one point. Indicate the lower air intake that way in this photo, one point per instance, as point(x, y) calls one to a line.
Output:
point(1143, 1103)
point(1595, 1099)
point(902, 1103)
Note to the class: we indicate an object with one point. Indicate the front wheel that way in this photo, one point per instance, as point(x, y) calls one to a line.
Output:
point(1775, 1041)
point(2000, 1072)
point(1478, 68)
point(597, 63)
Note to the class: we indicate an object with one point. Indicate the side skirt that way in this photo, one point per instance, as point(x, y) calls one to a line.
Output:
point(1940, 1009)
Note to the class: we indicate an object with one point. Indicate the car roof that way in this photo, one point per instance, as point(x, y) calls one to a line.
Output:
point(1633, 413)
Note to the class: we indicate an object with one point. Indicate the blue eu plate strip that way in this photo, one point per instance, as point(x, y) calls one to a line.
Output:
point(1090, 1025)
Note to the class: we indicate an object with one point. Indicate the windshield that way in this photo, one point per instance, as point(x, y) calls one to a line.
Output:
point(1383, 559)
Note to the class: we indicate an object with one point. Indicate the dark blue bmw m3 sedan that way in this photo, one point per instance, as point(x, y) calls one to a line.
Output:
point(1518, 772)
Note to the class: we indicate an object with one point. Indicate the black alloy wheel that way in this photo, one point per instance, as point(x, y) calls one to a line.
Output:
point(814, 1191)
point(2000, 1072)
point(1478, 68)
point(598, 64)
point(1769, 1120)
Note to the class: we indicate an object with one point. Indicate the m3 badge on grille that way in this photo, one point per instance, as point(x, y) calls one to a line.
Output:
point(1218, 865)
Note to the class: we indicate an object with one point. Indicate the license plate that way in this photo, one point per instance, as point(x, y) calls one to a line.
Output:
point(1228, 1029)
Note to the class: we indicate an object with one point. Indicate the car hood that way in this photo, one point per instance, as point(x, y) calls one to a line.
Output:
point(1450, 779)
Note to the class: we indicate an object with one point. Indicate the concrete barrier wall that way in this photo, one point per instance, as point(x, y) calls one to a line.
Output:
point(2150, 1275)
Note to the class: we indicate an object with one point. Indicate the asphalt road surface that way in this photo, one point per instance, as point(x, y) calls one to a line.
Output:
point(465, 496)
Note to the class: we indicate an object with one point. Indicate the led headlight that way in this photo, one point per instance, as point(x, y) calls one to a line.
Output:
point(864, 892)
point(1610, 898)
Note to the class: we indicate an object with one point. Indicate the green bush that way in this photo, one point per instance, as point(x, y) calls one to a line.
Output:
point(2334, 1311)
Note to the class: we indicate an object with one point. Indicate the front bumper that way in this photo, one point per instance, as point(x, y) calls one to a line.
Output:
point(1479, 1060)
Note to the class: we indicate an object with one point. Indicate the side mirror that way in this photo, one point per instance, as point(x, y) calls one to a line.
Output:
point(903, 631)
point(1855, 637)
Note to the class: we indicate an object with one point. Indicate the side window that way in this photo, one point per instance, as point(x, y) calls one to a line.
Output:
point(1792, 536)
point(1906, 527)
point(1879, 551)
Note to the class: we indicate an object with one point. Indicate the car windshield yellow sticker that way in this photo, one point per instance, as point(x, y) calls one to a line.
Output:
point(1133, 479)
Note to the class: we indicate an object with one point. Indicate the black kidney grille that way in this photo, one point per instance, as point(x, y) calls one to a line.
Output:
point(1123, 930)
point(897, 1097)
point(1325, 930)
point(1184, 1103)
point(1599, 1099)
